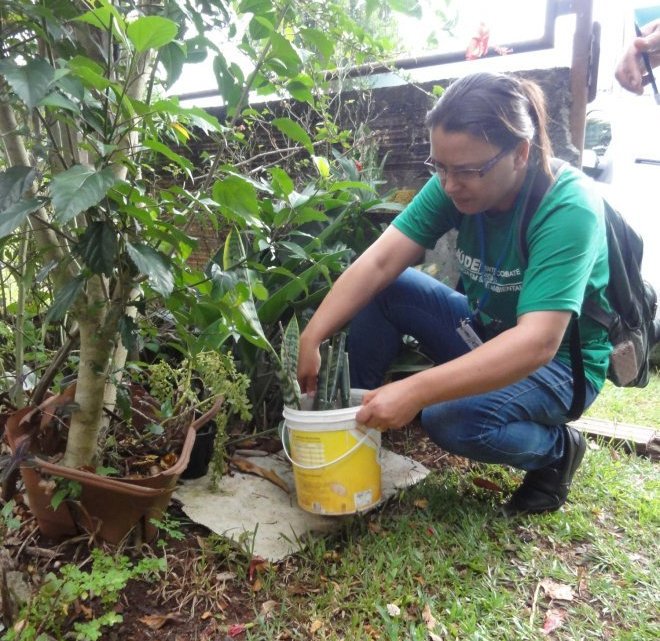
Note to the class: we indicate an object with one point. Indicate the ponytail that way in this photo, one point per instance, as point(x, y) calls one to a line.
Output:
point(538, 112)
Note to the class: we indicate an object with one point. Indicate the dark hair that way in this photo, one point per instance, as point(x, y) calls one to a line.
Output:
point(500, 108)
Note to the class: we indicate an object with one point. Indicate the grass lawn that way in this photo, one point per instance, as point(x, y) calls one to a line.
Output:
point(440, 561)
point(437, 562)
point(640, 406)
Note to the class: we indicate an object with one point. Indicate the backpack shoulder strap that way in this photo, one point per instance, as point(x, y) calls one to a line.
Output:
point(541, 185)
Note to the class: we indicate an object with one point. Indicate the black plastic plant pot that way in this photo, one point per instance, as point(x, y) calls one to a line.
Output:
point(201, 453)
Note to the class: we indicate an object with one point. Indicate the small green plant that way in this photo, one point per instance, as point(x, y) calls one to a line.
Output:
point(56, 604)
point(170, 527)
point(195, 385)
point(288, 372)
point(334, 385)
point(8, 520)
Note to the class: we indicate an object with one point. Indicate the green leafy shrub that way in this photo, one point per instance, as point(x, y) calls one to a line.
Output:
point(55, 607)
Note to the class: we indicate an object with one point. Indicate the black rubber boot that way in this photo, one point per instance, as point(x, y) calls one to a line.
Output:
point(545, 490)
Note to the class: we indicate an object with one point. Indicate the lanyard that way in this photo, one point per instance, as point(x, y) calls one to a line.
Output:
point(482, 255)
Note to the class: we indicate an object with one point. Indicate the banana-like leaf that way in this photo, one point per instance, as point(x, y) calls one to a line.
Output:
point(233, 259)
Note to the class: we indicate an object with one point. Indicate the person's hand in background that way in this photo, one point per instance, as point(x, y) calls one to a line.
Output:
point(630, 69)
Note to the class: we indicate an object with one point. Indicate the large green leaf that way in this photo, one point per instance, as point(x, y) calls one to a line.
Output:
point(238, 196)
point(159, 147)
point(230, 80)
point(14, 182)
point(282, 182)
point(57, 100)
point(300, 90)
point(65, 298)
point(261, 26)
point(408, 7)
point(89, 72)
point(98, 247)
point(256, 6)
point(78, 189)
point(14, 216)
point(294, 131)
point(31, 82)
point(320, 41)
point(102, 17)
point(154, 265)
point(151, 32)
point(172, 56)
point(273, 308)
point(283, 52)
point(247, 320)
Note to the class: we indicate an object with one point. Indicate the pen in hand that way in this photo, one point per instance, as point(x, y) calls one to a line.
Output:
point(647, 65)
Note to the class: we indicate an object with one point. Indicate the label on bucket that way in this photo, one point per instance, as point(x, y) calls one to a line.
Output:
point(339, 484)
point(363, 499)
point(309, 451)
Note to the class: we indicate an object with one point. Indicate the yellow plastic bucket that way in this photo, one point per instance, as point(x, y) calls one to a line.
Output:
point(336, 462)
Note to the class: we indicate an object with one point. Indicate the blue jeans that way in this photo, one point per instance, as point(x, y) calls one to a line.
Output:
point(518, 425)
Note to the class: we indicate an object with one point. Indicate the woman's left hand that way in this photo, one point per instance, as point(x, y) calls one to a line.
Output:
point(388, 407)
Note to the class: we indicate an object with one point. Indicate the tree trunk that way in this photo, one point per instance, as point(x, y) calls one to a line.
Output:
point(98, 341)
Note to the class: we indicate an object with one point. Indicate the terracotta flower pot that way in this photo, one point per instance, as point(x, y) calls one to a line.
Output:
point(108, 507)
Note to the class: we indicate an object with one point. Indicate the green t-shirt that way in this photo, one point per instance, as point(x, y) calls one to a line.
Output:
point(567, 259)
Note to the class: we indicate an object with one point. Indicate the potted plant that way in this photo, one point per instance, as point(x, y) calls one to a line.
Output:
point(102, 230)
point(336, 461)
point(99, 199)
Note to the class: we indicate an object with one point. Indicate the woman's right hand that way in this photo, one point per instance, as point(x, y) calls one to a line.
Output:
point(309, 363)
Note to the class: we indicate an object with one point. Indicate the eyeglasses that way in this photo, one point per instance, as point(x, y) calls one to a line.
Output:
point(464, 174)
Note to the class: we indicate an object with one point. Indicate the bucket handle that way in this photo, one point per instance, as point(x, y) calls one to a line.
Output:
point(322, 465)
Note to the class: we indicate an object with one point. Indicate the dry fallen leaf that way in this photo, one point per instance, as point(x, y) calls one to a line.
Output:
point(268, 606)
point(487, 485)
point(315, 625)
point(250, 468)
point(428, 618)
point(257, 585)
point(553, 619)
point(422, 504)
point(559, 591)
point(225, 576)
point(235, 630)
point(435, 637)
point(257, 565)
point(157, 621)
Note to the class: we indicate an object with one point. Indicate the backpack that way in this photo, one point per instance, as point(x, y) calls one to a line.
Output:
point(631, 325)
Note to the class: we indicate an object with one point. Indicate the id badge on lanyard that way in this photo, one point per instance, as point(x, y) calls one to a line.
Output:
point(467, 333)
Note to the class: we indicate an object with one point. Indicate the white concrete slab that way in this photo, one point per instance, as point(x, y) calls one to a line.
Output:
point(249, 506)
